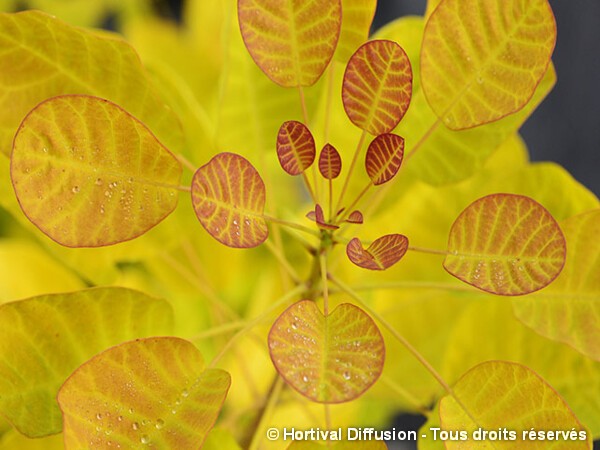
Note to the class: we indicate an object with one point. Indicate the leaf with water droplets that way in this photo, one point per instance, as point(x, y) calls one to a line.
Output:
point(151, 392)
point(319, 217)
point(89, 174)
point(481, 61)
point(329, 359)
point(330, 162)
point(505, 244)
point(45, 338)
point(295, 147)
point(355, 217)
point(292, 42)
point(569, 309)
point(228, 196)
point(381, 254)
point(384, 157)
point(377, 86)
point(498, 395)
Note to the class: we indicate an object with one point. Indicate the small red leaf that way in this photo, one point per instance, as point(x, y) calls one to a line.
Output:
point(355, 217)
point(384, 157)
point(377, 86)
point(381, 254)
point(295, 147)
point(330, 162)
point(318, 216)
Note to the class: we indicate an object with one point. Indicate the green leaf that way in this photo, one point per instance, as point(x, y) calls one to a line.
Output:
point(228, 196)
point(377, 86)
point(45, 338)
point(384, 157)
point(329, 359)
point(152, 391)
point(481, 61)
point(52, 58)
point(295, 147)
point(13, 440)
point(292, 42)
point(569, 310)
point(498, 395)
point(357, 18)
point(89, 174)
point(383, 252)
point(506, 244)
point(330, 162)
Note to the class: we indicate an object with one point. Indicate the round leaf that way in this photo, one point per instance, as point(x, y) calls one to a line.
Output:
point(45, 338)
point(329, 359)
point(377, 86)
point(384, 157)
point(228, 196)
point(292, 42)
point(482, 61)
point(149, 392)
point(506, 244)
point(89, 174)
point(330, 162)
point(503, 395)
point(381, 254)
point(295, 147)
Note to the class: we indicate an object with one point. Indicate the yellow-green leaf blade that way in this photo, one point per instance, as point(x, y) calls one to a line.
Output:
point(505, 244)
point(329, 359)
point(45, 338)
point(502, 395)
point(228, 196)
point(42, 56)
point(292, 42)
point(357, 17)
point(89, 174)
point(152, 391)
point(377, 86)
point(482, 60)
point(569, 309)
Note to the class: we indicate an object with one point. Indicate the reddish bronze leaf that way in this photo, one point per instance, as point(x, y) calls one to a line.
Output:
point(318, 216)
point(228, 196)
point(377, 86)
point(355, 217)
point(384, 157)
point(295, 147)
point(329, 359)
point(330, 162)
point(381, 254)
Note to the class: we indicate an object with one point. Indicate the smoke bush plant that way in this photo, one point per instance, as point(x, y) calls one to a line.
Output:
point(313, 288)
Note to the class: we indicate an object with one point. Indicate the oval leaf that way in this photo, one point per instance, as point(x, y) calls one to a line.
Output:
point(292, 42)
point(357, 18)
point(45, 338)
point(295, 147)
point(381, 254)
point(569, 309)
point(228, 196)
point(89, 174)
point(330, 162)
point(505, 244)
point(329, 359)
point(377, 86)
point(384, 157)
point(478, 65)
point(504, 395)
point(149, 392)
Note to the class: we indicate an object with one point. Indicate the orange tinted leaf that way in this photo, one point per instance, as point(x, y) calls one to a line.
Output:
point(319, 217)
point(357, 17)
point(89, 174)
point(384, 157)
point(481, 61)
point(505, 244)
point(228, 196)
point(381, 254)
point(342, 445)
point(330, 162)
point(377, 86)
point(295, 147)
point(292, 42)
point(329, 359)
point(152, 392)
point(355, 217)
point(504, 395)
